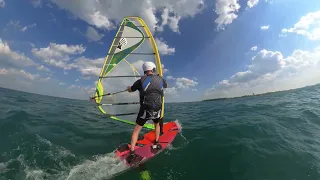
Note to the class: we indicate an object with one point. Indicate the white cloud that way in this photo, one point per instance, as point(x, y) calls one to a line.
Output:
point(308, 25)
point(19, 79)
point(58, 54)
point(254, 48)
point(43, 68)
point(270, 71)
point(164, 70)
point(105, 14)
point(68, 57)
point(184, 83)
point(28, 26)
point(17, 25)
point(264, 27)
point(19, 73)
point(36, 3)
point(269, 1)
point(252, 3)
point(58, 50)
point(14, 24)
point(171, 21)
point(2, 3)
point(93, 35)
point(89, 67)
point(52, 17)
point(92, 67)
point(226, 10)
point(11, 58)
point(163, 48)
point(24, 29)
point(266, 61)
point(171, 91)
point(180, 89)
point(84, 89)
point(171, 77)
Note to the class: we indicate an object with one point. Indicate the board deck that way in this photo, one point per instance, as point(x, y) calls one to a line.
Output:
point(143, 150)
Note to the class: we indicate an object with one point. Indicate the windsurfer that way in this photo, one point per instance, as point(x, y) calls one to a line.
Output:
point(150, 87)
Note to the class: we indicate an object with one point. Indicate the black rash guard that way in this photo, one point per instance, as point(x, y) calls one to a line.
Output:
point(150, 88)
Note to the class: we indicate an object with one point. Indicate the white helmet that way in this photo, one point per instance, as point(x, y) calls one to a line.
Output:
point(147, 66)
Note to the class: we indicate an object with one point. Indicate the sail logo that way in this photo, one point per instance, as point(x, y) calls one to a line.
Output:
point(122, 43)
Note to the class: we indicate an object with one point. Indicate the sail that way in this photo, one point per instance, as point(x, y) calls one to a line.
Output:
point(131, 47)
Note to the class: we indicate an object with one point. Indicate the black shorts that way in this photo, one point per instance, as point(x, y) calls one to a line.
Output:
point(144, 115)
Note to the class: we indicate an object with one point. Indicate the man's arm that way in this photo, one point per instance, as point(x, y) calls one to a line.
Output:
point(165, 84)
point(135, 86)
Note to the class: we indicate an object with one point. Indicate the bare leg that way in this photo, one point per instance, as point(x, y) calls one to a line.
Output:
point(161, 125)
point(135, 135)
point(157, 130)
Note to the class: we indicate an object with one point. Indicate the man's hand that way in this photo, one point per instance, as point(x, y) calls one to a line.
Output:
point(129, 89)
point(165, 83)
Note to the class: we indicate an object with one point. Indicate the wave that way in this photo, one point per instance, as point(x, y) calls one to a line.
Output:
point(49, 161)
point(101, 167)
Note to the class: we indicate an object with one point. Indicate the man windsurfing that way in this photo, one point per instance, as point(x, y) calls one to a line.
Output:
point(150, 87)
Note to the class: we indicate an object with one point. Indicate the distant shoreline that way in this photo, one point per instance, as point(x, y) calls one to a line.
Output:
point(238, 97)
point(261, 94)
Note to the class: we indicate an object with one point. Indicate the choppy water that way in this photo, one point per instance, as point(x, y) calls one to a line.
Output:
point(270, 137)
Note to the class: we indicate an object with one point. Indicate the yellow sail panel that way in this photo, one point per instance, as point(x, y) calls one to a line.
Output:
point(131, 47)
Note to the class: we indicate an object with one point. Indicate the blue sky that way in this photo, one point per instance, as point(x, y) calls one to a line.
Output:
point(210, 49)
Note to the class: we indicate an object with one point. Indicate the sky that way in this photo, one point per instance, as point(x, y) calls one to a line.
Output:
point(208, 49)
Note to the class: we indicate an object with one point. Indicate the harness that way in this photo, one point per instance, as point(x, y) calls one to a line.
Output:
point(152, 93)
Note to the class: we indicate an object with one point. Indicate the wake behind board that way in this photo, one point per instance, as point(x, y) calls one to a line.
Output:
point(143, 149)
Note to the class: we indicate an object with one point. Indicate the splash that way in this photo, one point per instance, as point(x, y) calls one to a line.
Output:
point(35, 174)
point(185, 140)
point(179, 125)
point(101, 167)
point(31, 173)
point(46, 160)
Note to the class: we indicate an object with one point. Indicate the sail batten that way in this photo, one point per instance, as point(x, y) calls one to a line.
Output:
point(139, 53)
point(132, 45)
point(131, 37)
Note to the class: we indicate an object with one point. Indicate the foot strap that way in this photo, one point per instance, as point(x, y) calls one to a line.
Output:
point(155, 148)
point(133, 158)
